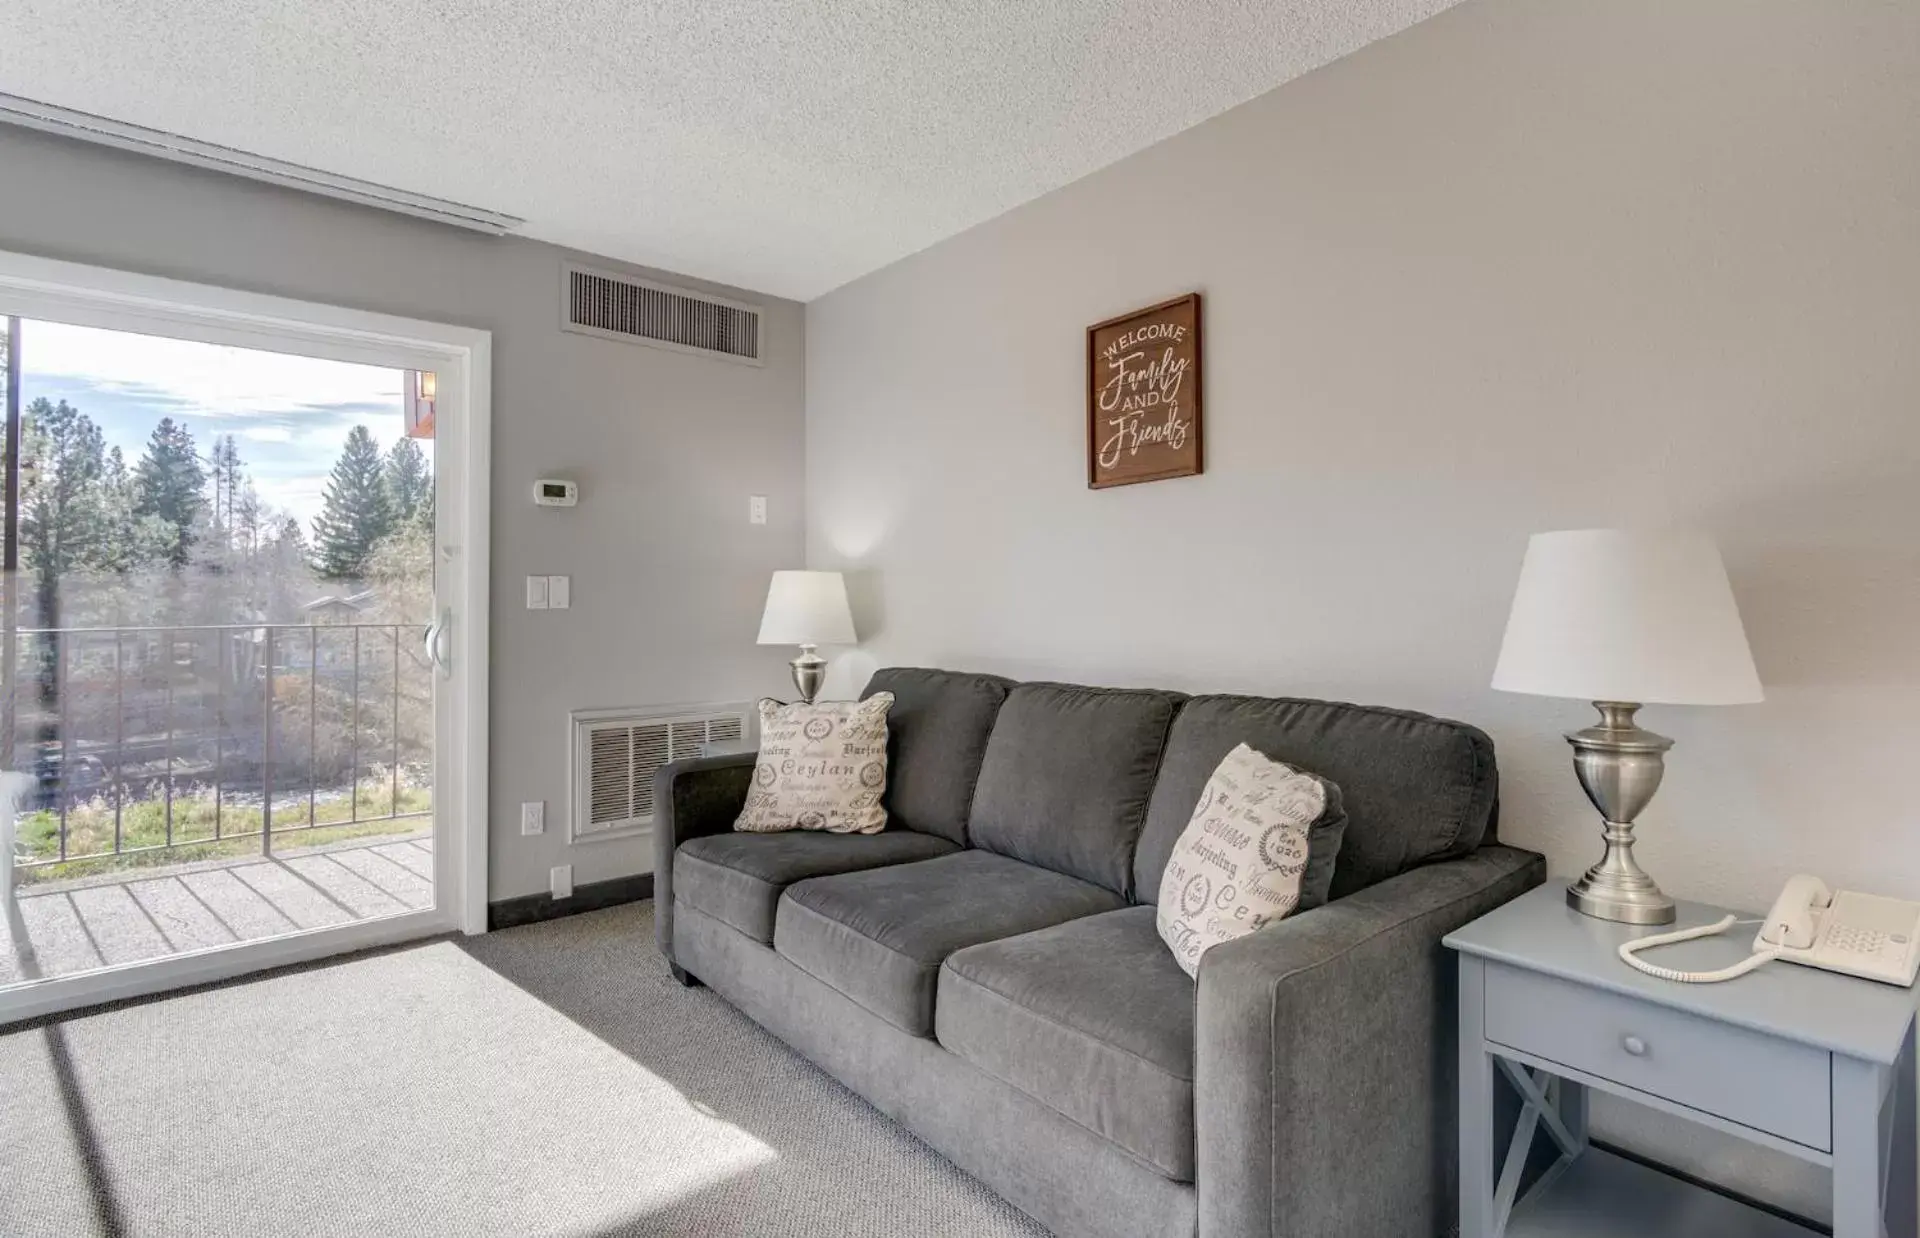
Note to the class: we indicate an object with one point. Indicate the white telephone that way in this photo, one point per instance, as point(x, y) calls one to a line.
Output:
point(1858, 934)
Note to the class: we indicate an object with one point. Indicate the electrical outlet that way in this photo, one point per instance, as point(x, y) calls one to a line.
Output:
point(757, 509)
point(533, 817)
point(559, 592)
point(536, 593)
point(563, 881)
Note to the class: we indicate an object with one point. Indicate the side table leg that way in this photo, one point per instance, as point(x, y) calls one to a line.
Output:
point(1476, 1105)
point(1903, 1160)
point(1572, 1103)
point(1860, 1152)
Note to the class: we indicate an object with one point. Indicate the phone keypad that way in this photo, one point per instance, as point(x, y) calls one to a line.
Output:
point(1856, 940)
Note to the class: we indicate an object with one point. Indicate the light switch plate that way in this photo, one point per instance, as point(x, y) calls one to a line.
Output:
point(536, 593)
point(757, 509)
point(563, 881)
point(533, 817)
point(559, 592)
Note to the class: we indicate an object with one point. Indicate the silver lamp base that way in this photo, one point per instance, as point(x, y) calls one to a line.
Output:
point(1620, 767)
point(809, 672)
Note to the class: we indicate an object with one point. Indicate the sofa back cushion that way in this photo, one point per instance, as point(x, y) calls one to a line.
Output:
point(1415, 788)
point(1067, 777)
point(936, 736)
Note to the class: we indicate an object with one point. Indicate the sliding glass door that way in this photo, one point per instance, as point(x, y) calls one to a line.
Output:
point(225, 640)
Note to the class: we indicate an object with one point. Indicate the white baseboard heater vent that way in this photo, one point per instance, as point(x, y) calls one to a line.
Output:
point(615, 754)
point(619, 307)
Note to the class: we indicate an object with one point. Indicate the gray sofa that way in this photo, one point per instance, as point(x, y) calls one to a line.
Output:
point(987, 971)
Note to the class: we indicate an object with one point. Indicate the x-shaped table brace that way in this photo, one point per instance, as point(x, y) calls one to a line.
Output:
point(1540, 1093)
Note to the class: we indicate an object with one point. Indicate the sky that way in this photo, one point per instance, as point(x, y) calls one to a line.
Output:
point(290, 415)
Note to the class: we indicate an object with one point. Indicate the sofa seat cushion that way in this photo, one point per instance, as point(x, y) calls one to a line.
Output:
point(880, 936)
point(737, 878)
point(1092, 1018)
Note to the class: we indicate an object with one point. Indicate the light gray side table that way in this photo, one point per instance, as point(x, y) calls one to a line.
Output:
point(1805, 1062)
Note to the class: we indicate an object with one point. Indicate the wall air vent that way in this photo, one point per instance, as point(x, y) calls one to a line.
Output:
point(619, 307)
point(617, 752)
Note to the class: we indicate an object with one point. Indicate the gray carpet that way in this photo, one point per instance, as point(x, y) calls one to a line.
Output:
point(550, 1079)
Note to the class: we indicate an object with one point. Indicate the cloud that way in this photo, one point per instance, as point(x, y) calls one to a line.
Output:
point(292, 413)
point(301, 496)
point(141, 395)
point(211, 380)
point(355, 408)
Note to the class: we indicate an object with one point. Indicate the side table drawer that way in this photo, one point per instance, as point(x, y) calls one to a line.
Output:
point(1756, 1080)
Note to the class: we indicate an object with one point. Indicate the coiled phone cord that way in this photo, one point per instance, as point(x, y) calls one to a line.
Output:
point(1628, 951)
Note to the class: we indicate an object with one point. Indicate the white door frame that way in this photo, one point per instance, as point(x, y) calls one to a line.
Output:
point(34, 287)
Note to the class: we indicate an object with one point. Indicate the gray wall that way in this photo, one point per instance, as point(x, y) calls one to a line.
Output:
point(1526, 266)
point(668, 576)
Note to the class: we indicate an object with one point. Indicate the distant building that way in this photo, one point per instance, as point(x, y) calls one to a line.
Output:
point(336, 609)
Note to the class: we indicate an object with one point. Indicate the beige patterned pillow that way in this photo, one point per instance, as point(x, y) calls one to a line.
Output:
point(822, 767)
point(1239, 863)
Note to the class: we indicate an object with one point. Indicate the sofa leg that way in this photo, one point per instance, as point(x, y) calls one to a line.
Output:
point(687, 979)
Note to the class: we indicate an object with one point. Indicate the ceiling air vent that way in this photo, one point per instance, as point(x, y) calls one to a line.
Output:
point(619, 307)
point(617, 752)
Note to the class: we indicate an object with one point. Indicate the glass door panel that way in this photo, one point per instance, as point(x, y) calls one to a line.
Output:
point(217, 712)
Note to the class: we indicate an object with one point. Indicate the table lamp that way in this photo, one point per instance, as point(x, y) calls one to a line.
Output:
point(807, 609)
point(1624, 619)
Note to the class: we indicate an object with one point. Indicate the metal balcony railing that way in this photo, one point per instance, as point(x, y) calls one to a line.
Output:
point(264, 720)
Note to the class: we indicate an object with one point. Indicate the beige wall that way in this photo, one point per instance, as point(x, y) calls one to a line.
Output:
point(1530, 265)
point(668, 576)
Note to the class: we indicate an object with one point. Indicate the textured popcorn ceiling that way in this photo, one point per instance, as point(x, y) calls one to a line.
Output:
point(782, 145)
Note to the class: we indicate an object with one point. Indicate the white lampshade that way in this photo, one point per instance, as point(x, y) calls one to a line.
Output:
point(807, 608)
point(1610, 615)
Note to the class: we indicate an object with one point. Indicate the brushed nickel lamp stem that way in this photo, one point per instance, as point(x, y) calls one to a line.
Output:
point(1620, 765)
point(809, 672)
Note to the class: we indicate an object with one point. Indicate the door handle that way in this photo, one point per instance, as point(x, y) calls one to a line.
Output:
point(439, 633)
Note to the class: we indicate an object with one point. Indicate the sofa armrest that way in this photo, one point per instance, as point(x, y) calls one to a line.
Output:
point(691, 799)
point(1324, 1059)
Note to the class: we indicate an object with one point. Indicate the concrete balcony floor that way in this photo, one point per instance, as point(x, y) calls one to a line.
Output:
point(63, 928)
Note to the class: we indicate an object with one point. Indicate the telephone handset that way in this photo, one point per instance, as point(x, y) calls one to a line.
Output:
point(1858, 934)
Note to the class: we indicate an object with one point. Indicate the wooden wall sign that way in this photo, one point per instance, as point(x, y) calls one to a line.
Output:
point(1143, 395)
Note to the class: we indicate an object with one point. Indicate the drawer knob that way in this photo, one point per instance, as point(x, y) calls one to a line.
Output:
point(1634, 1046)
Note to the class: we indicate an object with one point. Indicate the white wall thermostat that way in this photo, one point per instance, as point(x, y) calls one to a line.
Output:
point(551, 492)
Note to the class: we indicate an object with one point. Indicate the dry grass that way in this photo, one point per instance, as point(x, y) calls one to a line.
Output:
point(143, 823)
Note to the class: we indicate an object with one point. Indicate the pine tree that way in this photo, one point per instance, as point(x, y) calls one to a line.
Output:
point(61, 523)
point(117, 521)
point(291, 538)
point(247, 519)
point(217, 476)
point(356, 510)
point(286, 566)
point(227, 479)
point(409, 483)
point(168, 483)
point(116, 483)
